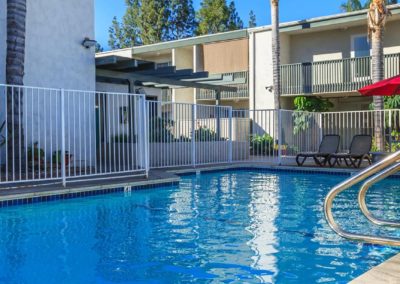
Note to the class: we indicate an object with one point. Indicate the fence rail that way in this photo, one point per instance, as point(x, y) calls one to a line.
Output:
point(54, 134)
point(342, 75)
point(66, 135)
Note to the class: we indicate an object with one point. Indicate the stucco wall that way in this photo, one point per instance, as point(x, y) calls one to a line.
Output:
point(336, 44)
point(261, 71)
point(229, 56)
point(54, 56)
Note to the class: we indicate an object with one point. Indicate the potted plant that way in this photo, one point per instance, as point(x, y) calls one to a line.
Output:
point(35, 154)
point(57, 157)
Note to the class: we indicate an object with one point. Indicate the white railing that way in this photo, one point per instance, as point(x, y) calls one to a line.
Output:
point(67, 135)
point(188, 135)
point(55, 134)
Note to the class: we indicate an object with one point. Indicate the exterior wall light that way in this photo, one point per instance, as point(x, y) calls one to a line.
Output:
point(88, 43)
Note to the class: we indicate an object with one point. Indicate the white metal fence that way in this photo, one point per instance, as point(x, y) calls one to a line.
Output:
point(53, 134)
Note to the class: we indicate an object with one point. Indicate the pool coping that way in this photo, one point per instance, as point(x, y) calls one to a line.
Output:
point(386, 272)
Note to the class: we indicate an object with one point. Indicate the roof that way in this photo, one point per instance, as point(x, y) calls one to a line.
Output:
point(342, 18)
point(325, 21)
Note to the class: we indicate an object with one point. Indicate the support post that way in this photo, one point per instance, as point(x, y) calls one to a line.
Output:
point(63, 162)
point(230, 154)
point(145, 138)
point(280, 136)
point(194, 117)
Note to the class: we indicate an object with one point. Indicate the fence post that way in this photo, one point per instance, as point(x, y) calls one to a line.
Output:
point(280, 136)
point(194, 117)
point(63, 162)
point(230, 154)
point(321, 126)
point(145, 138)
point(390, 131)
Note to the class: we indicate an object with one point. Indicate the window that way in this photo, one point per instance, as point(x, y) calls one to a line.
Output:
point(361, 47)
point(361, 51)
point(163, 64)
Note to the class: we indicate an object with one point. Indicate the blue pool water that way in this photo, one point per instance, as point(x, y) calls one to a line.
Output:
point(241, 226)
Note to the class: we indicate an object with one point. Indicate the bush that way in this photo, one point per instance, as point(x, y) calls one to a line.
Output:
point(204, 134)
point(262, 145)
point(161, 130)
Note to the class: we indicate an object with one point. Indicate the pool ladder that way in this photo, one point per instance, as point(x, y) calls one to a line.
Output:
point(370, 176)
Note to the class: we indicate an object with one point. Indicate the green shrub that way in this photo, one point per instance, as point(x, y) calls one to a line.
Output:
point(262, 145)
point(204, 134)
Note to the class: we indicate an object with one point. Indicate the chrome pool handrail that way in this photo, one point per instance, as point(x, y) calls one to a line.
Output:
point(368, 172)
point(363, 192)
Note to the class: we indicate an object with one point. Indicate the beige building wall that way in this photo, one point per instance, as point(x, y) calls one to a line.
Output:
point(336, 44)
point(225, 57)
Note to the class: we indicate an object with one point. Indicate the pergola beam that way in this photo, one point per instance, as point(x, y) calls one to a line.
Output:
point(161, 80)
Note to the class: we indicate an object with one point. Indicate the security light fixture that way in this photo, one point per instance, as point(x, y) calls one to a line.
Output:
point(88, 43)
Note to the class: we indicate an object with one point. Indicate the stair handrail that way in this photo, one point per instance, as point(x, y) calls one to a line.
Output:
point(364, 174)
point(363, 193)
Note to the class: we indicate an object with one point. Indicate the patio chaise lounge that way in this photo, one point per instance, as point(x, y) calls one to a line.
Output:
point(329, 145)
point(360, 148)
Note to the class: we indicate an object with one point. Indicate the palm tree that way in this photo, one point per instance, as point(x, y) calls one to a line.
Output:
point(377, 16)
point(15, 63)
point(351, 5)
point(276, 51)
point(276, 62)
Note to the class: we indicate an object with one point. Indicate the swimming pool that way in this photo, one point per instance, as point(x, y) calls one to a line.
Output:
point(239, 226)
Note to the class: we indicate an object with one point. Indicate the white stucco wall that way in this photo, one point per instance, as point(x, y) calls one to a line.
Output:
point(261, 70)
point(54, 54)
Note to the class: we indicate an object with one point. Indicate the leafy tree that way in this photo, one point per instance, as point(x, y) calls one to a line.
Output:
point(355, 5)
point(252, 19)
point(312, 104)
point(182, 23)
point(234, 20)
point(351, 5)
point(131, 23)
point(115, 35)
point(99, 48)
point(212, 17)
point(304, 107)
point(154, 16)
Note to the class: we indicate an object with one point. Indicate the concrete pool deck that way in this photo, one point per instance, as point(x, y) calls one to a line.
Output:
point(387, 272)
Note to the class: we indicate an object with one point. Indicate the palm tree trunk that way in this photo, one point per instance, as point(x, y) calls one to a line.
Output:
point(276, 63)
point(15, 63)
point(276, 52)
point(378, 74)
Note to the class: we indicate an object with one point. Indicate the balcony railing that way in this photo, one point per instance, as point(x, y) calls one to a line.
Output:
point(241, 93)
point(331, 76)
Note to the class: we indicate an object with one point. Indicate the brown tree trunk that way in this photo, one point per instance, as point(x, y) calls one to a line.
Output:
point(15, 63)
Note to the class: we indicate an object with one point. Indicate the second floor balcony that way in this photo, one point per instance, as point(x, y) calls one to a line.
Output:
point(333, 76)
point(242, 85)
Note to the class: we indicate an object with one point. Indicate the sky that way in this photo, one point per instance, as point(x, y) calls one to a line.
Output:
point(290, 10)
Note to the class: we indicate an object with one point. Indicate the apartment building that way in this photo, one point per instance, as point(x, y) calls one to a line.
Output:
point(220, 58)
point(328, 57)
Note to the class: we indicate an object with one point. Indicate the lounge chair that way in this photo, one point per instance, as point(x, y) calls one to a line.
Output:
point(359, 150)
point(329, 145)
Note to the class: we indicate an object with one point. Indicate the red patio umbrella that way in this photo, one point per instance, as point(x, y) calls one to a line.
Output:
point(388, 87)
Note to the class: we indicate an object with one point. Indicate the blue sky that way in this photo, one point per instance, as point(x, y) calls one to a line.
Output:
point(290, 10)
